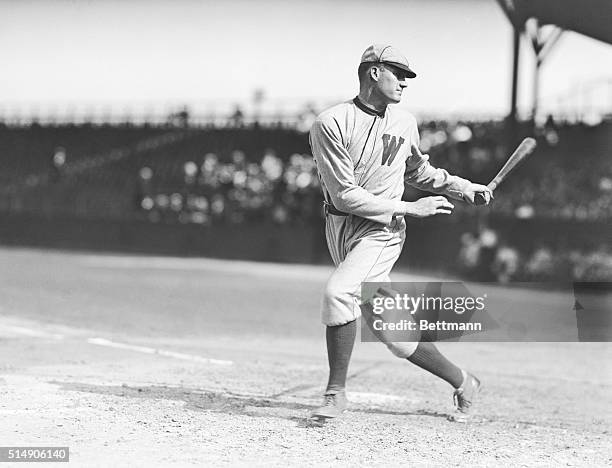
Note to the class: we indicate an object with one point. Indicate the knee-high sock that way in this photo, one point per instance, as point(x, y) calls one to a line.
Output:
point(340, 341)
point(427, 357)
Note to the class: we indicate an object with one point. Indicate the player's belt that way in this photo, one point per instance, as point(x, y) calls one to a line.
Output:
point(331, 209)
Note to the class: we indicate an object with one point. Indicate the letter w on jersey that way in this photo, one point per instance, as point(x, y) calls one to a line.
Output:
point(391, 148)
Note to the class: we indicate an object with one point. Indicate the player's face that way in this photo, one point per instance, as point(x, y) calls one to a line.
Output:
point(391, 83)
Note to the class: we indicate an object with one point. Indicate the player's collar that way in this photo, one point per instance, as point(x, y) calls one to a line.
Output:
point(367, 109)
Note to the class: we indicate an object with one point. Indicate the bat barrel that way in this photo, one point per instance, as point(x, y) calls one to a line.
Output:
point(522, 151)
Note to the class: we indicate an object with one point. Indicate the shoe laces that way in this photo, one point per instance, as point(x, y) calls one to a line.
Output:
point(459, 399)
point(329, 400)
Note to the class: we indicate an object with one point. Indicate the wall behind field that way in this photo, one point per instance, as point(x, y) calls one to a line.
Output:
point(431, 245)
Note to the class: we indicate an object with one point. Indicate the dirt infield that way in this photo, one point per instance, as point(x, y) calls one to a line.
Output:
point(136, 361)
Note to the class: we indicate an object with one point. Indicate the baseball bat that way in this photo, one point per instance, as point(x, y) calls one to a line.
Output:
point(521, 152)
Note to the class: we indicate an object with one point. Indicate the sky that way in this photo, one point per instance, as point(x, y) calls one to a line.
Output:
point(59, 53)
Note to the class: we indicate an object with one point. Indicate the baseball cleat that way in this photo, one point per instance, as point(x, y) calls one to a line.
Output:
point(465, 396)
point(334, 405)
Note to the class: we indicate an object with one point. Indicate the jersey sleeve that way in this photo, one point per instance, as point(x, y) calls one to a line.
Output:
point(422, 175)
point(335, 167)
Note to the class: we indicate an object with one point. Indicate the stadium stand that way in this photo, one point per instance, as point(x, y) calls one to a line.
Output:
point(236, 174)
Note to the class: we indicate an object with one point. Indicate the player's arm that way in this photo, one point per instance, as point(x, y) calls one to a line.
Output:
point(335, 167)
point(422, 175)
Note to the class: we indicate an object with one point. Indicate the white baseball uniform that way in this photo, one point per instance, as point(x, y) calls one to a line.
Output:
point(364, 158)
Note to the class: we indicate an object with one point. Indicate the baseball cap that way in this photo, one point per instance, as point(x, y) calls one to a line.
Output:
point(385, 53)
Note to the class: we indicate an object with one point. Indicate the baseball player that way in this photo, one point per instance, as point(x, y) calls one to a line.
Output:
point(366, 149)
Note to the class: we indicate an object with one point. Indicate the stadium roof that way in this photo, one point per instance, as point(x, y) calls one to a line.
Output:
point(589, 17)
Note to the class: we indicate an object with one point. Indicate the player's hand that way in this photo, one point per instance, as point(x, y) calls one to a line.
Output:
point(417, 152)
point(470, 193)
point(429, 206)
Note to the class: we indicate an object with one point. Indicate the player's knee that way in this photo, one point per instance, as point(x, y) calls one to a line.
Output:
point(402, 350)
point(333, 316)
point(334, 293)
point(339, 305)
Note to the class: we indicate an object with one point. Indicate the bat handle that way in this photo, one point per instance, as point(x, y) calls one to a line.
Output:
point(479, 198)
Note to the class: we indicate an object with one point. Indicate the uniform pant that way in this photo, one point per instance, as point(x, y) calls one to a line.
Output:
point(362, 250)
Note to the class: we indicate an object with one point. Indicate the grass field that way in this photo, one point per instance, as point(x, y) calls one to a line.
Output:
point(148, 361)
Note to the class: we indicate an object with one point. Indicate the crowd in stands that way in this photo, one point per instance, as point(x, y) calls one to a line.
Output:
point(244, 185)
point(569, 176)
point(245, 174)
point(235, 191)
point(484, 258)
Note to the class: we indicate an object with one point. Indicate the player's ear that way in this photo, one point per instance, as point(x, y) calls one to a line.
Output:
point(375, 72)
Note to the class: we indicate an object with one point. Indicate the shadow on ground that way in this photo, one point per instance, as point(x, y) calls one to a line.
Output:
point(197, 399)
